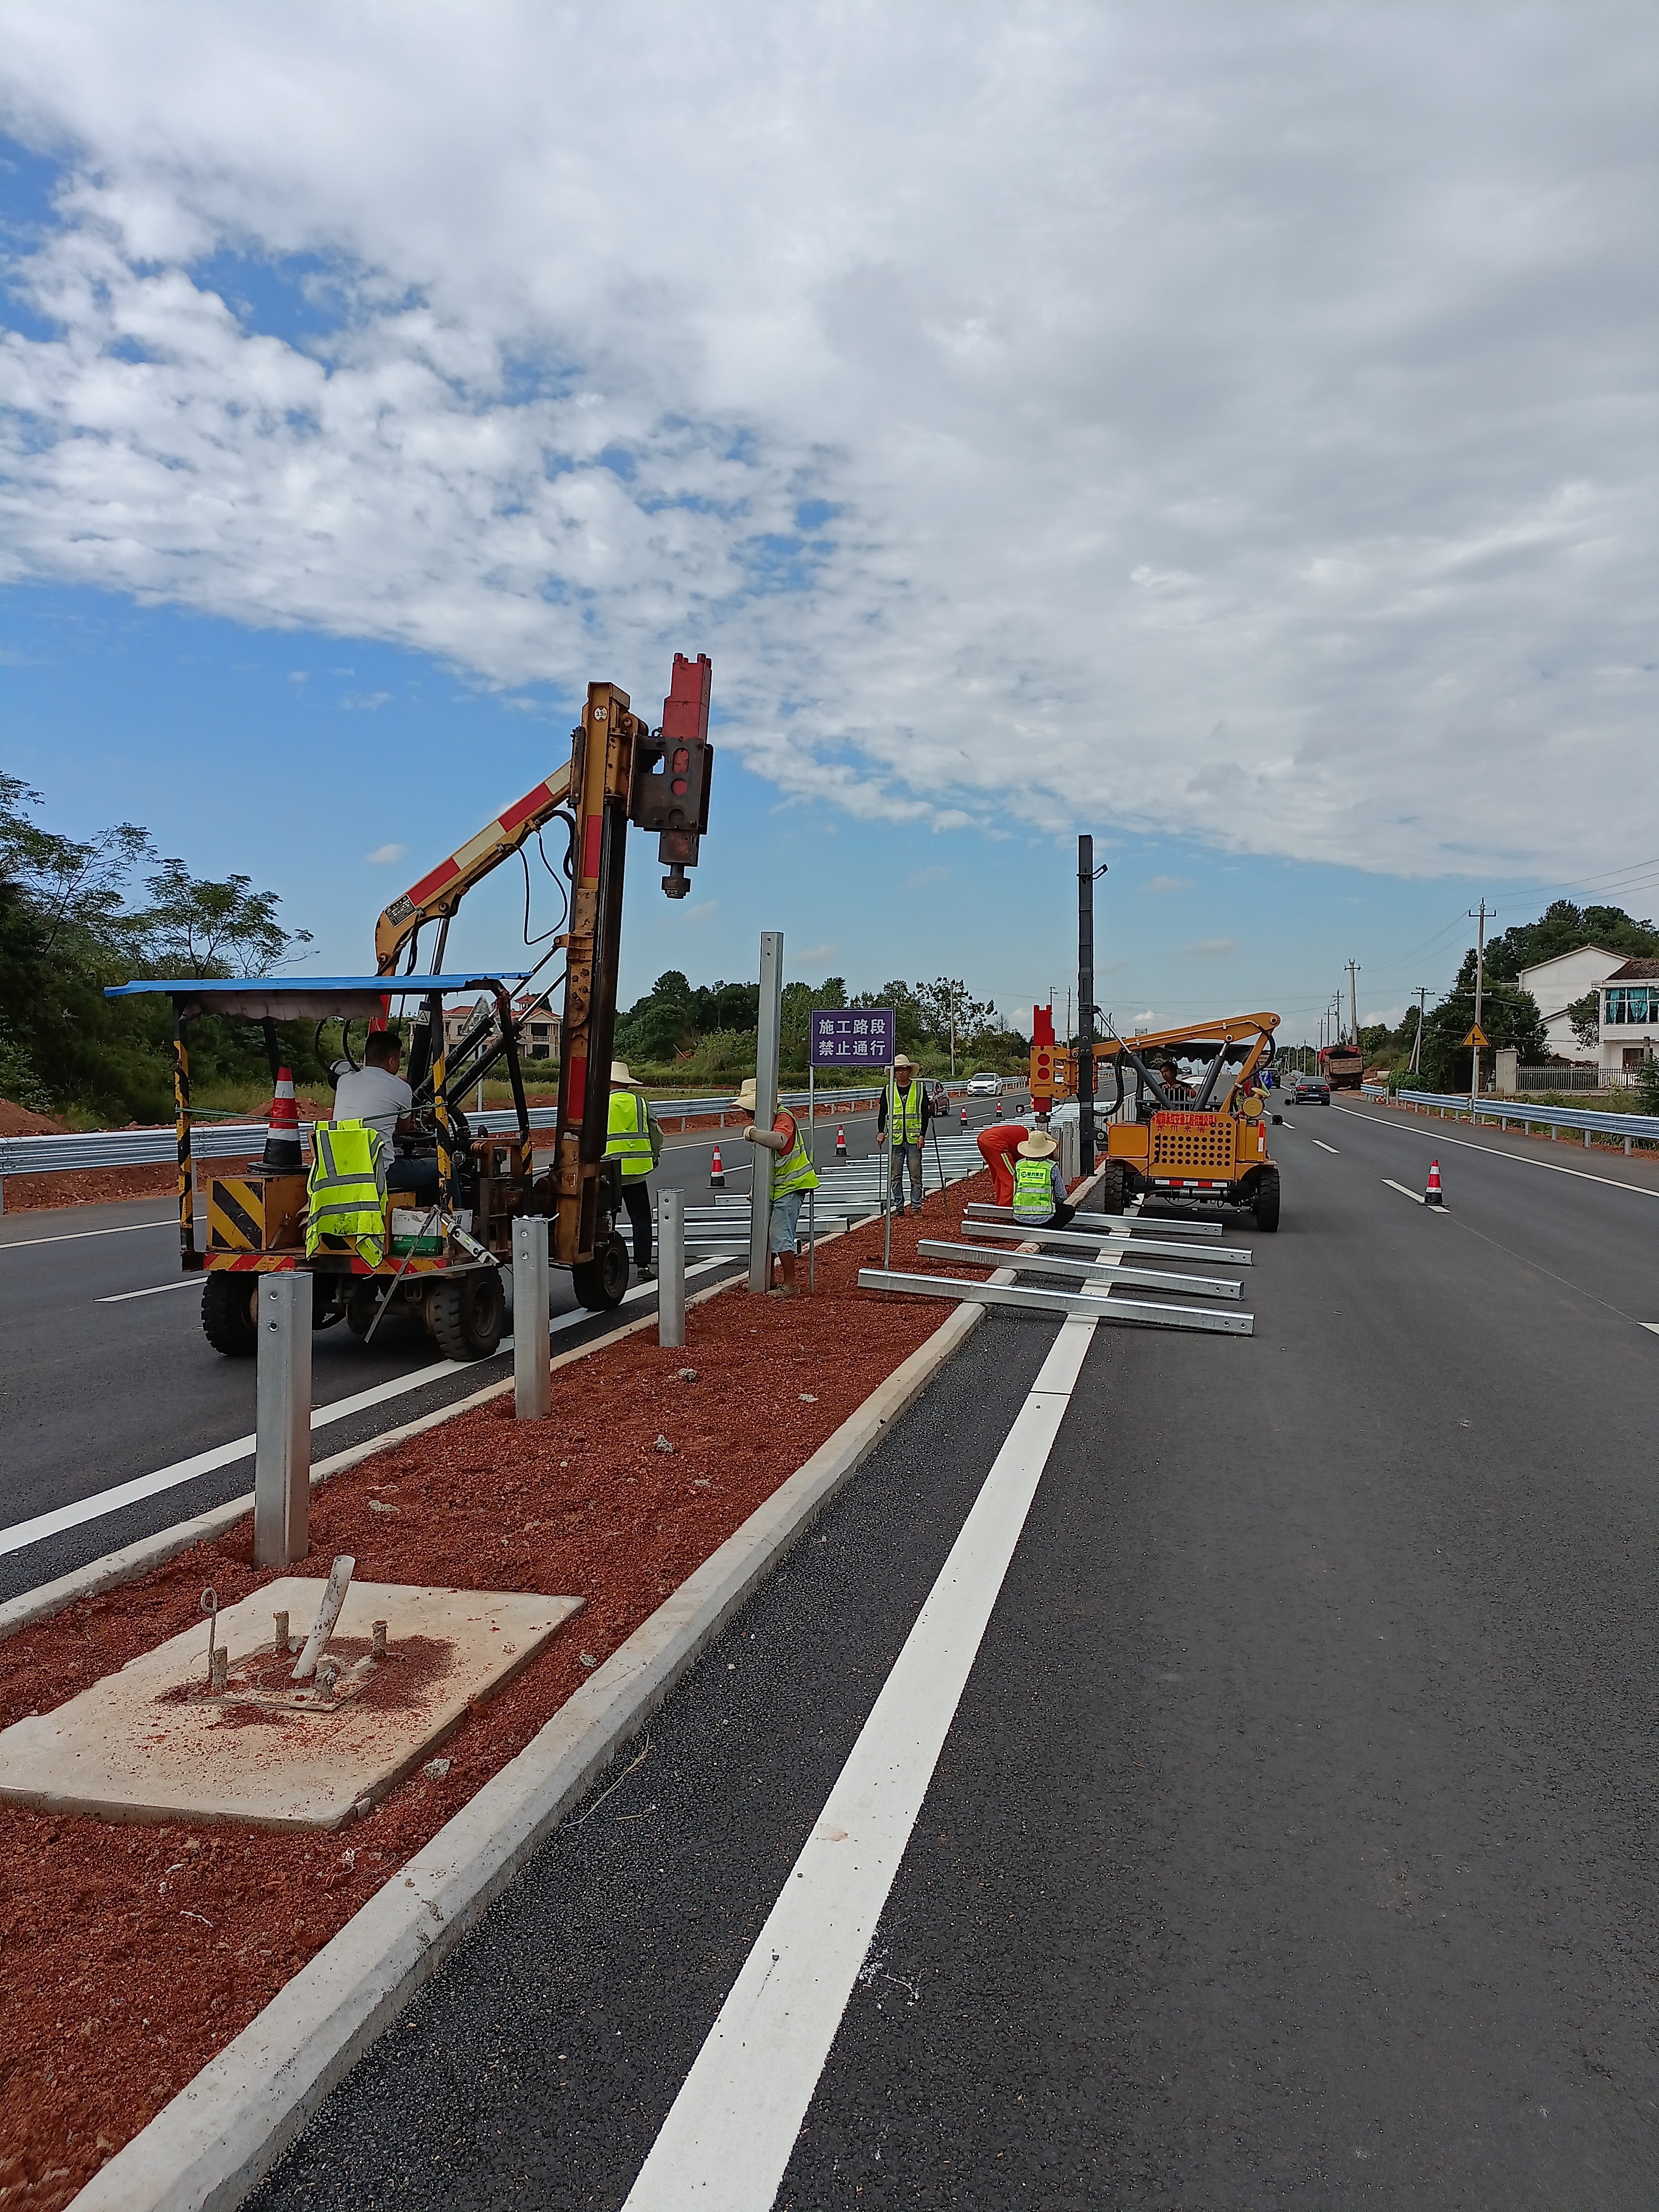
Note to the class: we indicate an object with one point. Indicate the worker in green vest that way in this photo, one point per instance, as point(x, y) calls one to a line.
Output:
point(793, 1176)
point(903, 1115)
point(635, 1140)
point(1040, 1200)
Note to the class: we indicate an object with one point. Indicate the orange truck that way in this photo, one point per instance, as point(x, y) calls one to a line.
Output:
point(1187, 1114)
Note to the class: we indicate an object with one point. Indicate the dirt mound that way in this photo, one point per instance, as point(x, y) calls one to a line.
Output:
point(18, 1121)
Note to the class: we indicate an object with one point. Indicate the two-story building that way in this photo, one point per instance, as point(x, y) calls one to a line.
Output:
point(1630, 1019)
point(1558, 984)
point(538, 1039)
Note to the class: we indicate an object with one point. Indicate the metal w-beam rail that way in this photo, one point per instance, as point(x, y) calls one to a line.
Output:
point(1069, 1240)
point(1640, 1128)
point(1143, 1312)
point(1106, 1270)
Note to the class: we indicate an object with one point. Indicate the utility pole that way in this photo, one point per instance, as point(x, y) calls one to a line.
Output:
point(1417, 1041)
point(1480, 981)
point(1353, 1001)
point(1087, 873)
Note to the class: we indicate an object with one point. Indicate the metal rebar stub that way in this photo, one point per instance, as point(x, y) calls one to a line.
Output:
point(219, 1671)
point(334, 1591)
point(279, 1640)
point(210, 1606)
point(377, 1639)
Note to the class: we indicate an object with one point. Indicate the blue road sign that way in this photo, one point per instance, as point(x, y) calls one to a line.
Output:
point(853, 1036)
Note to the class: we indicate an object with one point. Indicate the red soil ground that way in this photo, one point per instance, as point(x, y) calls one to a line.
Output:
point(130, 1955)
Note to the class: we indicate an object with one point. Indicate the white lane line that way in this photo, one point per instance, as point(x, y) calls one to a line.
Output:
point(1323, 1147)
point(1283, 1124)
point(1520, 1159)
point(22, 1533)
point(1415, 1196)
point(728, 2137)
point(74, 1235)
point(1653, 1325)
point(120, 1297)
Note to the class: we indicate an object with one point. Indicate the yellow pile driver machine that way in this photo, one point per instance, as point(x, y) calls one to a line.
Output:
point(620, 771)
point(1199, 1133)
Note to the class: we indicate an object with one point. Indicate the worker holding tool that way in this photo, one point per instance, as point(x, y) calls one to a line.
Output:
point(1040, 1200)
point(906, 1110)
point(635, 1140)
point(791, 1178)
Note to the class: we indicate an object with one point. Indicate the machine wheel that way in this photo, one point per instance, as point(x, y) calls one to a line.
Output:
point(227, 1320)
point(601, 1283)
point(1111, 1187)
point(361, 1303)
point(1265, 1204)
point(468, 1315)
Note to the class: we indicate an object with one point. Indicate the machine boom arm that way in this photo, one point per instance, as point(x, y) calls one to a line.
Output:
point(439, 892)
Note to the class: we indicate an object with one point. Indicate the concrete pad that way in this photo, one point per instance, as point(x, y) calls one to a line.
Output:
point(151, 1743)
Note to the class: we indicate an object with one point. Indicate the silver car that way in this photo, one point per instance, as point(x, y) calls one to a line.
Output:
point(985, 1085)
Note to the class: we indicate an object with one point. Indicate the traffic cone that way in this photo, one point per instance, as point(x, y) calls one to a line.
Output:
point(716, 1172)
point(964, 1117)
point(841, 1144)
point(282, 1154)
point(1432, 1195)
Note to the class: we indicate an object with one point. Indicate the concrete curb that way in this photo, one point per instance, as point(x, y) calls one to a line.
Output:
point(206, 2149)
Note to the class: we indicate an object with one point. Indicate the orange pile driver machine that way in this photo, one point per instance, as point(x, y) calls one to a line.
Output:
point(1191, 1123)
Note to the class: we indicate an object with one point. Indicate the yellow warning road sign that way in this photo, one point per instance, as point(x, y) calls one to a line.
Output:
point(1476, 1035)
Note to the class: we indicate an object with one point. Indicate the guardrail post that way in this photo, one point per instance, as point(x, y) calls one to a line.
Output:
point(671, 1268)
point(532, 1370)
point(282, 1450)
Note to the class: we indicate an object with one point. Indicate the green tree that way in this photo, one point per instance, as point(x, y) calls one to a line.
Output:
point(1585, 1015)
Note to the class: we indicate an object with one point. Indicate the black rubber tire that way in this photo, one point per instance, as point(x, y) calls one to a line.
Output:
point(227, 1320)
point(468, 1315)
point(1111, 1187)
point(601, 1283)
point(1265, 1204)
point(360, 1306)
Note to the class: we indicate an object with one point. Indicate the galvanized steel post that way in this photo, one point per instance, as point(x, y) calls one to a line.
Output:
point(766, 1103)
point(532, 1372)
point(671, 1268)
point(282, 1452)
point(1085, 1004)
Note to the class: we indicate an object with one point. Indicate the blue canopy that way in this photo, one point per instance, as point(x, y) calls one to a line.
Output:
point(294, 998)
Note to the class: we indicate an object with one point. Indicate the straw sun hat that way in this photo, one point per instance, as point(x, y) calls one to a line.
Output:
point(619, 1075)
point(1039, 1145)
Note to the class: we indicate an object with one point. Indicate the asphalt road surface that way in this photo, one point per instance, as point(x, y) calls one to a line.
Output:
point(108, 1378)
point(1292, 1840)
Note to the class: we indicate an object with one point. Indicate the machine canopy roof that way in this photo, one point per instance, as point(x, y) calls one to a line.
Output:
point(294, 998)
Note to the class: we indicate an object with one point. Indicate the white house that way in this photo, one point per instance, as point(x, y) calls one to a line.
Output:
point(1629, 1017)
point(1556, 984)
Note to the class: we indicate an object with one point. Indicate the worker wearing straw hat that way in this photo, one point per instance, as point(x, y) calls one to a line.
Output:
point(791, 1178)
point(635, 1140)
point(1039, 1187)
point(903, 1114)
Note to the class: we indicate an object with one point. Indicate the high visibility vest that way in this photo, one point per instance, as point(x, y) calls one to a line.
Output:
point(1034, 1191)
point(346, 1191)
point(629, 1141)
point(904, 1113)
point(795, 1171)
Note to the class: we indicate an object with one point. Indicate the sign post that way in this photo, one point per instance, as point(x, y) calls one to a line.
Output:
point(766, 1105)
point(862, 1038)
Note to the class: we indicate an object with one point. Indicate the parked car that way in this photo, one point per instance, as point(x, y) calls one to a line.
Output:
point(985, 1085)
point(1309, 1089)
point(939, 1098)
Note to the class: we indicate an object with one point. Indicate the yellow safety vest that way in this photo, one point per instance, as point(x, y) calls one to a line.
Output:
point(346, 1191)
point(1034, 1191)
point(794, 1171)
point(629, 1138)
point(905, 1114)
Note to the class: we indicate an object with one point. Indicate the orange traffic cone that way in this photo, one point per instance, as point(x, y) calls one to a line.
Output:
point(716, 1172)
point(964, 1117)
point(840, 1143)
point(282, 1154)
point(1432, 1195)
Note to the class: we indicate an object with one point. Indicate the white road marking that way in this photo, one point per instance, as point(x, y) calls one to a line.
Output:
point(1520, 1159)
point(1323, 1147)
point(1415, 1196)
point(74, 1235)
point(1653, 1325)
point(728, 2137)
point(23, 1533)
point(120, 1297)
point(1283, 1124)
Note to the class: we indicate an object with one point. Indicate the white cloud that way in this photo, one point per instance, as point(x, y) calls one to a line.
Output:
point(923, 877)
point(813, 954)
point(1211, 948)
point(383, 856)
point(1160, 886)
point(364, 703)
point(1235, 423)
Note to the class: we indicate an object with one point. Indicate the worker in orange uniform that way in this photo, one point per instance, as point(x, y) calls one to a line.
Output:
point(634, 1138)
point(791, 1178)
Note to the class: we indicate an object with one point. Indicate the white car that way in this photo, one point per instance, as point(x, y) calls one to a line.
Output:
point(985, 1085)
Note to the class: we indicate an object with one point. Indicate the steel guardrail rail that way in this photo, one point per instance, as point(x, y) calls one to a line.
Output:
point(1587, 1120)
point(61, 1154)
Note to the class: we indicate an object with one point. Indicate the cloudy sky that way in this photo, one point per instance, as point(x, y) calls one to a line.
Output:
point(1229, 429)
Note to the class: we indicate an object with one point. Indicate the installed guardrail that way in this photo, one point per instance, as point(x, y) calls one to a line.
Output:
point(157, 1147)
point(1634, 1128)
